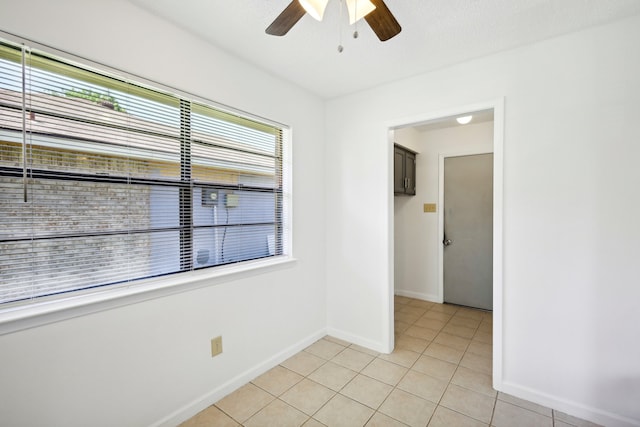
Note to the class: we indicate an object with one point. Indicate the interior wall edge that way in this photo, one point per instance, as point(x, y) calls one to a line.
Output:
point(378, 346)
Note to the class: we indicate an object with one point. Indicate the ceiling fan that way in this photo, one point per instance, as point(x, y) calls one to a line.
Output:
point(375, 12)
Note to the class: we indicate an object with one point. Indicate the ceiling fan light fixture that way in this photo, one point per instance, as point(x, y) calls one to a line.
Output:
point(315, 8)
point(375, 12)
point(358, 9)
point(464, 119)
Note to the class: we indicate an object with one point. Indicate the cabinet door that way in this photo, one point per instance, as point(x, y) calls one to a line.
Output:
point(410, 173)
point(398, 170)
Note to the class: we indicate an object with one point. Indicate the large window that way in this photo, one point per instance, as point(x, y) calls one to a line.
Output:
point(106, 181)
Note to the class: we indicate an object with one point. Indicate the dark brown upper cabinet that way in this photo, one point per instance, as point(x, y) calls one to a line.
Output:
point(404, 174)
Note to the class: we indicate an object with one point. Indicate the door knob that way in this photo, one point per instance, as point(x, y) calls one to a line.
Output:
point(447, 242)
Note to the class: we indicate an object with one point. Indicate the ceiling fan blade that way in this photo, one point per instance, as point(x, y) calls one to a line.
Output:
point(286, 20)
point(382, 21)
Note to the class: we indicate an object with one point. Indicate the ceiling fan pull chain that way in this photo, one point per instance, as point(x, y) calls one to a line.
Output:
point(340, 48)
point(355, 33)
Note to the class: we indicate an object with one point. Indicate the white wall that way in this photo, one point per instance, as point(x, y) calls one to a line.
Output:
point(571, 234)
point(148, 362)
point(416, 239)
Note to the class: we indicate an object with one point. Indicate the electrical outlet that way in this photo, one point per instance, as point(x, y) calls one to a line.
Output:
point(216, 346)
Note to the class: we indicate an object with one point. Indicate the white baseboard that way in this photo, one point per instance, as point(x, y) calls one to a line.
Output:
point(575, 409)
point(418, 295)
point(189, 410)
point(356, 339)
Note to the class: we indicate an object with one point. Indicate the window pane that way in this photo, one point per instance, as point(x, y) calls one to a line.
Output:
point(231, 244)
point(233, 207)
point(61, 265)
point(70, 207)
point(105, 181)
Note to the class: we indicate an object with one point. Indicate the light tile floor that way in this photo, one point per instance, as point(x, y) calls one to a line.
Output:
point(438, 375)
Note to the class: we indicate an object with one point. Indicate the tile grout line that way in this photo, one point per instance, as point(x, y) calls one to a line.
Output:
point(441, 330)
point(451, 382)
point(472, 346)
point(408, 368)
point(342, 388)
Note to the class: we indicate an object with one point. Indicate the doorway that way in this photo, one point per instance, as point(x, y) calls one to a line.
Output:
point(437, 292)
point(468, 230)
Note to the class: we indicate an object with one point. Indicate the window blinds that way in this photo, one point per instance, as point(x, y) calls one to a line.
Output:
point(106, 181)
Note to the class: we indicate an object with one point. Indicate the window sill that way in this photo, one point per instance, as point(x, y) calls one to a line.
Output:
point(29, 315)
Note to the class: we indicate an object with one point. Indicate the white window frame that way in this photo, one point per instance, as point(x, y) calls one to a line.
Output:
point(49, 309)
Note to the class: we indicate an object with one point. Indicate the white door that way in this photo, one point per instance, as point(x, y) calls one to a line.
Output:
point(468, 230)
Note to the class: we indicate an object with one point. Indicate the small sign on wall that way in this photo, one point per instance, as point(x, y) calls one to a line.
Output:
point(430, 207)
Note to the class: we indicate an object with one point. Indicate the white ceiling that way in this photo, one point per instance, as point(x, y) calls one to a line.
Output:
point(435, 33)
